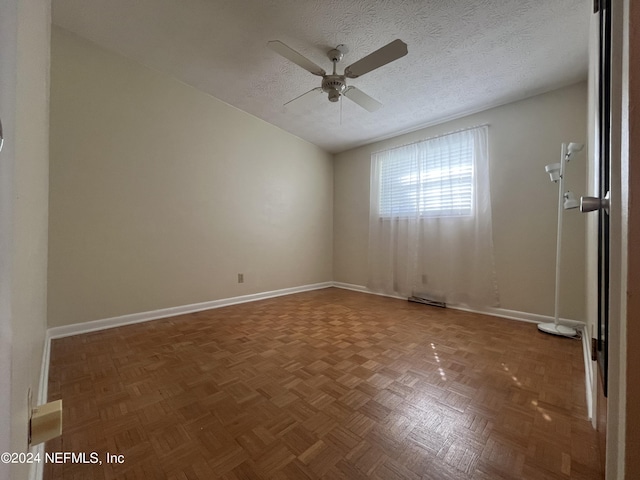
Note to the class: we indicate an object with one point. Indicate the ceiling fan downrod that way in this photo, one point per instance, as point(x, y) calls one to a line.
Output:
point(334, 85)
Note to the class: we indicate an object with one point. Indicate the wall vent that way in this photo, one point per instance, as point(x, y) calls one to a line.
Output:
point(426, 301)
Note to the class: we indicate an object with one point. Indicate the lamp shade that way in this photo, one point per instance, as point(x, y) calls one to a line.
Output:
point(570, 201)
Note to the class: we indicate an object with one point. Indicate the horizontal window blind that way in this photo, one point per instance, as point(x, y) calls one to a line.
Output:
point(430, 178)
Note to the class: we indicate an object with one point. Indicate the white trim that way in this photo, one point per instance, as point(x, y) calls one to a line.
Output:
point(43, 386)
point(36, 471)
point(495, 312)
point(588, 371)
point(360, 288)
point(95, 325)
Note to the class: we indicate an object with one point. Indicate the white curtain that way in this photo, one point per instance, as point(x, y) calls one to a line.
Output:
point(430, 231)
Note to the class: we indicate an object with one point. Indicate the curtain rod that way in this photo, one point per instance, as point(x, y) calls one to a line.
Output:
point(433, 138)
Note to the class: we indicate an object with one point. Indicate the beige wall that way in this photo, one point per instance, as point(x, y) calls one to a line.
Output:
point(523, 137)
point(160, 195)
point(8, 38)
point(23, 216)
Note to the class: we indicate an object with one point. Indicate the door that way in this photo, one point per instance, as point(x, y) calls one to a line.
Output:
point(600, 206)
point(604, 140)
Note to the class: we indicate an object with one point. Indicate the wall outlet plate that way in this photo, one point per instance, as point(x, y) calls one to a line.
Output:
point(46, 422)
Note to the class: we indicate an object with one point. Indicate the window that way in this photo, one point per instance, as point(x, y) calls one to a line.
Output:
point(430, 229)
point(431, 178)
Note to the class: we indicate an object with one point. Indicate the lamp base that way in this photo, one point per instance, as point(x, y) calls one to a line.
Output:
point(554, 329)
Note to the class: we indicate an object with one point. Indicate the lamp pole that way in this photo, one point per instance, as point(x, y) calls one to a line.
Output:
point(555, 328)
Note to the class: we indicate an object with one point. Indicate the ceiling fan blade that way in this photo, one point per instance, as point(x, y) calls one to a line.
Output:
point(380, 57)
point(309, 94)
point(293, 56)
point(362, 99)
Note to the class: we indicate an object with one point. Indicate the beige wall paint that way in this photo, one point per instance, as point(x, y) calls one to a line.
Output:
point(8, 40)
point(523, 137)
point(23, 220)
point(160, 195)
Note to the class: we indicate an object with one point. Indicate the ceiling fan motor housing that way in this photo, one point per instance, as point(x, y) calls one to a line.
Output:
point(334, 85)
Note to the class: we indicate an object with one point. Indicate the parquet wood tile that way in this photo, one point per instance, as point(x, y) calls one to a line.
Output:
point(329, 384)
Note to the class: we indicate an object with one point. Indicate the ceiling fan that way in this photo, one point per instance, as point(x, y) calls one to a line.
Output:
point(336, 85)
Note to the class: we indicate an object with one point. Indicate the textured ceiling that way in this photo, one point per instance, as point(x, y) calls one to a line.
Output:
point(464, 55)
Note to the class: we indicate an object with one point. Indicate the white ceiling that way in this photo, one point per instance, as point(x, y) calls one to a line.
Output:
point(464, 55)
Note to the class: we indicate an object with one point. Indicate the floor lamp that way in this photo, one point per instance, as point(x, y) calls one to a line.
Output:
point(566, 200)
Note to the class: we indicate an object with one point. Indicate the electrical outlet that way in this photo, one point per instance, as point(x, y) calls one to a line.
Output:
point(241, 278)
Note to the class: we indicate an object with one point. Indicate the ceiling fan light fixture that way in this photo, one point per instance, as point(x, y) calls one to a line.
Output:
point(334, 95)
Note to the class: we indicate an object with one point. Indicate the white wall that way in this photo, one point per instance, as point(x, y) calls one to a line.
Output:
point(24, 94)
point(160, 195)
point(523, 137)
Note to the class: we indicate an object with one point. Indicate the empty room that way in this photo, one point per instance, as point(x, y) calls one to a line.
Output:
point(318, 240)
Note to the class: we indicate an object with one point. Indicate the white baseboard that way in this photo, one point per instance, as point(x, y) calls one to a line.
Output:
point(588, 372)
point(495, 312)
point(36, 471)
point(95, 325)
point(360, 288)
point(43, 386)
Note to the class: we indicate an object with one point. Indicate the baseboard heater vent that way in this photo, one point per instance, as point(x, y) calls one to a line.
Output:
point(426, 301)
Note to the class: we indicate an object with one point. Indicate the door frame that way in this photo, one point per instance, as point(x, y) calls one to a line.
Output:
point(623, 411)
point(629, 410)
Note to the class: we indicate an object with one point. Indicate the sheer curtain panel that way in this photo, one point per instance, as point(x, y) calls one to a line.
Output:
point(430, 231)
